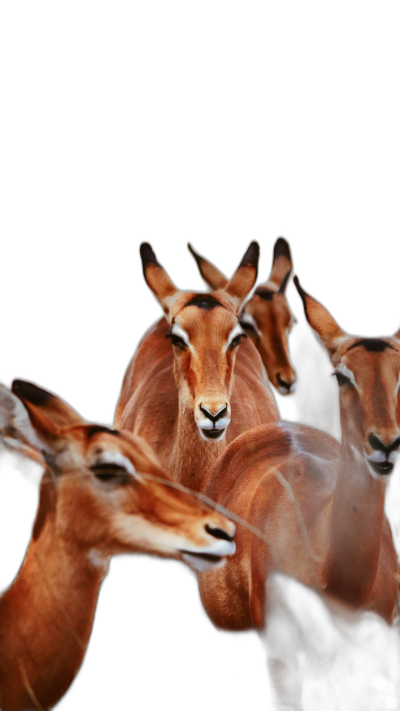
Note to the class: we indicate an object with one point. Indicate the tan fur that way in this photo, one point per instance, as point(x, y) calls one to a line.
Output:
point(46, 616)
point(317, 502)
point(166, 388)
point(267, 322)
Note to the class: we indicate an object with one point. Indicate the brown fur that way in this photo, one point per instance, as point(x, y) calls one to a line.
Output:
point(317, 502)
point(46, 616)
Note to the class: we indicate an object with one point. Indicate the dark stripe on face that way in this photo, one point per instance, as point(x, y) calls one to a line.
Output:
point(375, 345)
point(94, 429)
point(30, 392)
point(265, 294)
point(204, 301)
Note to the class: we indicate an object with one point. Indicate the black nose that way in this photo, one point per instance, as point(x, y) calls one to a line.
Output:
point(376, 443)
point(218, 533)
point(283, 383)
point(214, 418)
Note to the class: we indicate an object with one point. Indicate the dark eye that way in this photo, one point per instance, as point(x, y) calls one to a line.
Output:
point(176, 341)
point(342, 380)
point(111, 472)
point(235, 342)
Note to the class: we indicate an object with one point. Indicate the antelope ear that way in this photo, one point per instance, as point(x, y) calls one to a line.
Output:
point(281, 262)
point(284, 283)
point(320, 320)
point(33, 436)
point(157, 278)
point(244, 279)
point(211, 275)
point(56, 410)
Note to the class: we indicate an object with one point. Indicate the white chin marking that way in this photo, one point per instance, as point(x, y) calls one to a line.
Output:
point(201, 564)
point(211, 439)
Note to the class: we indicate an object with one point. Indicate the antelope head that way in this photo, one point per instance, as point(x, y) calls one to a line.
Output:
point(104, 489)
point(368, 374)
point(266, 317)
point(205, 333)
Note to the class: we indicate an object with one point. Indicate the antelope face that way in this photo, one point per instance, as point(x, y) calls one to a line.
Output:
point(268, 320)
point(106, 489)
point(266, 317)
point(367, 371)
point(368, 375)
point(132, 513)
point(205, 334)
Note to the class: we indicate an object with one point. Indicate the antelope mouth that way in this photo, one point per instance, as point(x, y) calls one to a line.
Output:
point(212, 434)
point(203, 561)
point(381, 468)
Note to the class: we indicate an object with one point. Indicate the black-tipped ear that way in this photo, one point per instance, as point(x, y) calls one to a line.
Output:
point(211, 275)
point(156, 277)
point(245, 276)
point(281, 263)
point(320, 319)
point(284, 283)
point(59, 413)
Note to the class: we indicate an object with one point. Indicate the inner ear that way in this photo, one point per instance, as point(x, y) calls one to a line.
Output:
point(245, 277)
point(157, 278)
point(211, 275)
point(281, 263)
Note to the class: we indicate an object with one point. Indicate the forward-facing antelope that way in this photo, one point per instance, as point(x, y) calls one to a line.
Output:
point(101, 494)
point(189, 389)
point(320, 505)
point(266, 317)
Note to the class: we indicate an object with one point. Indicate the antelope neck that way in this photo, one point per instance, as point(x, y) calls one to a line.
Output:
point(357, 516)
point(46, 618)
point(192, 456)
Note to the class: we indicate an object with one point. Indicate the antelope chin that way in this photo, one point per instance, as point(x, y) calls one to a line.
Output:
point(380, 470)
point(212, 558)
point(212, 435)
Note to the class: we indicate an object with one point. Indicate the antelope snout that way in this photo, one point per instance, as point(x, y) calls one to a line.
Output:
point(212, 419)
point(285, 382)
point(219, 544)
point(383, 454)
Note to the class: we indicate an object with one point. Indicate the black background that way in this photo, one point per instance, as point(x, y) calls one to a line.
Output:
point(80, 195)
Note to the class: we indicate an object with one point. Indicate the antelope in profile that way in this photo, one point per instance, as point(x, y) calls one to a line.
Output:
point(190, 389)
point(102, 494)
point(319, 504)
point(266, 317)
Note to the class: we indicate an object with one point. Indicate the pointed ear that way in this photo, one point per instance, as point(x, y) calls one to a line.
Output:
point(58, 412)
point(211, 275)
point(281, 263)
point(320, 320)
point(33, 436)
point(242, 282)
point(284, 283)
point(157, 278)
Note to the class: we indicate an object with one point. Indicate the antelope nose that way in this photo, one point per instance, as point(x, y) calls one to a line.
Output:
point(220, 533)
point(214, 418)
point(284, 384)
point(380, 446)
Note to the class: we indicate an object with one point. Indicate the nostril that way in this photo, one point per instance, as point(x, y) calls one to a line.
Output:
point(376, 443)
point(214, 418)
point(218, 533)
point(283, 383)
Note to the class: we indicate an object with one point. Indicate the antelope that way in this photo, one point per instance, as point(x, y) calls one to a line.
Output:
point(324, 655)
point(320, 505)
point(189, 388)
point(102, 493)
point(266, 317)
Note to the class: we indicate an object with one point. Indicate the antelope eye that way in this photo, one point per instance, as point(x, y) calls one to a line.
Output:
point(110, 472)
point(342, 380)
point(176, 341)
point(236, 336)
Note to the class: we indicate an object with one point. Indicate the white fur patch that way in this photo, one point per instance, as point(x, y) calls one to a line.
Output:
point(237, 330)
point(180, 332)
point(247, 318)
point(344, 370)
point(98, 560)
point(113, 456)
